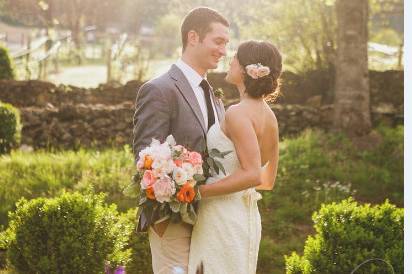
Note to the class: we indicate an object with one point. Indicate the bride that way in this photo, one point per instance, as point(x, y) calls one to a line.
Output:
point(226, 237)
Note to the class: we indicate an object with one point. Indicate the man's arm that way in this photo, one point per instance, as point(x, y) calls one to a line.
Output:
point(151, 118)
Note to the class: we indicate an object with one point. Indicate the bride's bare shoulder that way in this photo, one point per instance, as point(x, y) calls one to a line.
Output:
point(235, 113)
point(236, 117)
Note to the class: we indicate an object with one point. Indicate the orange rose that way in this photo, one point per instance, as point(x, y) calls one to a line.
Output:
point(186, 194)
point(150, 193)
point(148, 161)
point(178, 163)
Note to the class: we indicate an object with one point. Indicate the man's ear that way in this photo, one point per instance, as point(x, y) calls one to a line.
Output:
point(192, 37)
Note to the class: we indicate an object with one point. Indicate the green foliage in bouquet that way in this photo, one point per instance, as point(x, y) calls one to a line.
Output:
point(73, 233)
point(6, 65)
point(10, 127)
point(348, 234)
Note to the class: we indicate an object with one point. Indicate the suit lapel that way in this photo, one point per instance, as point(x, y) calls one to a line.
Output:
point(187, 92)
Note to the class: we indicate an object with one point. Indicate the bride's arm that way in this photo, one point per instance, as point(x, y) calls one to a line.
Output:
point(246, 144)
point(270, 170)
point(268, 174)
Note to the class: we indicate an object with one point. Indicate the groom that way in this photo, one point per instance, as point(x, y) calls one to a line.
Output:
point(181, 103)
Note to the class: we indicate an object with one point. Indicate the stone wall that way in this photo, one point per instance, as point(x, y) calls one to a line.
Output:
point(36, 93)
point(71, 126)
point(314, 87)
point(70, 117)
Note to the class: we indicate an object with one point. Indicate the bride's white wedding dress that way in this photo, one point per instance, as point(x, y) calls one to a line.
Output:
point(227, 233)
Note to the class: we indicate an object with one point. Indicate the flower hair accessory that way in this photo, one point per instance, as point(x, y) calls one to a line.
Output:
point(257, 70)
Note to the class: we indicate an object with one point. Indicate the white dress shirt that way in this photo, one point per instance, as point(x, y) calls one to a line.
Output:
point(194, 80)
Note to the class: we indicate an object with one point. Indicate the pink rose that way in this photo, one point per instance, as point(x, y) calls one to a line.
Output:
point(195, 158)
point(148, 179)
point(164, 188)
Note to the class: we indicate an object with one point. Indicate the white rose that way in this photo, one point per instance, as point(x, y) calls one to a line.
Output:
point(189, 169)
point(180, 176)
point(170, 140)
point(163, 166)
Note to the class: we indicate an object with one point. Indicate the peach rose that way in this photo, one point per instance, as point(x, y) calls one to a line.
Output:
point(147, 162)
point(178, 163)
point(148, 179)
point(195, 158)
point(150, 193)
point(186, 194)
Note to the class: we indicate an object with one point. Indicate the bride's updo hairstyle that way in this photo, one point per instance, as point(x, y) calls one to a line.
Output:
point(265, 54)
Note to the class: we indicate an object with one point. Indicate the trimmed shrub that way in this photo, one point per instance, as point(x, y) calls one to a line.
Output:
point(348, 234)
point(73, 233)
point(4, 243)
point(6, 65)
point(10, 127)
point(141, 258)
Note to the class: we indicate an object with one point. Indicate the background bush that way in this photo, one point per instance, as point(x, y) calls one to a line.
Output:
point(6, 65)
point(347, 234)
point(317, 167)
point(72, 233)
point(10, 127)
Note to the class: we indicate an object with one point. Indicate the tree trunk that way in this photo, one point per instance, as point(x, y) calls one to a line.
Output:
point(352, 107)
point(400, 57)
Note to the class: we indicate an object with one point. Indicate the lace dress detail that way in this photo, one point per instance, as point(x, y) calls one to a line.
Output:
point(227, 233)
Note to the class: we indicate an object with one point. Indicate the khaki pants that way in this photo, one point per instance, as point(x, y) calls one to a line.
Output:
point(172, 249)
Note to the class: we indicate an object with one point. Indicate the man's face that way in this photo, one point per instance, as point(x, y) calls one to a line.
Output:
point(213, 46)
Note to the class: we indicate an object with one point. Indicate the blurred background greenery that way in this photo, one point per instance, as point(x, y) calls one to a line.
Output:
point(128, 39)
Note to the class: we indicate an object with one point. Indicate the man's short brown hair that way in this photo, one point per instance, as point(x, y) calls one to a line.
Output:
point(199, 20)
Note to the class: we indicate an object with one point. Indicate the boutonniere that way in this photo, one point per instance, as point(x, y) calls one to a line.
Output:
point(219, 94)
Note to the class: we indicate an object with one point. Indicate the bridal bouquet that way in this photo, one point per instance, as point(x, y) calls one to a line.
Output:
point(168, 178)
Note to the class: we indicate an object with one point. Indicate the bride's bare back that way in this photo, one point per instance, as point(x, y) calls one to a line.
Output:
point(260, 124)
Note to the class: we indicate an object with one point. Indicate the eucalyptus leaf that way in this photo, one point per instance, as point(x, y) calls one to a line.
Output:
point(198, 195)
point(183, 208)
point(219, 164)
point(216, 167)
point(225, 153)
point(187, 215)
point(142, 200)
point(199, 177)
point(192, 214)
point(214, 153)
point(210, 162)
point(175, 206)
